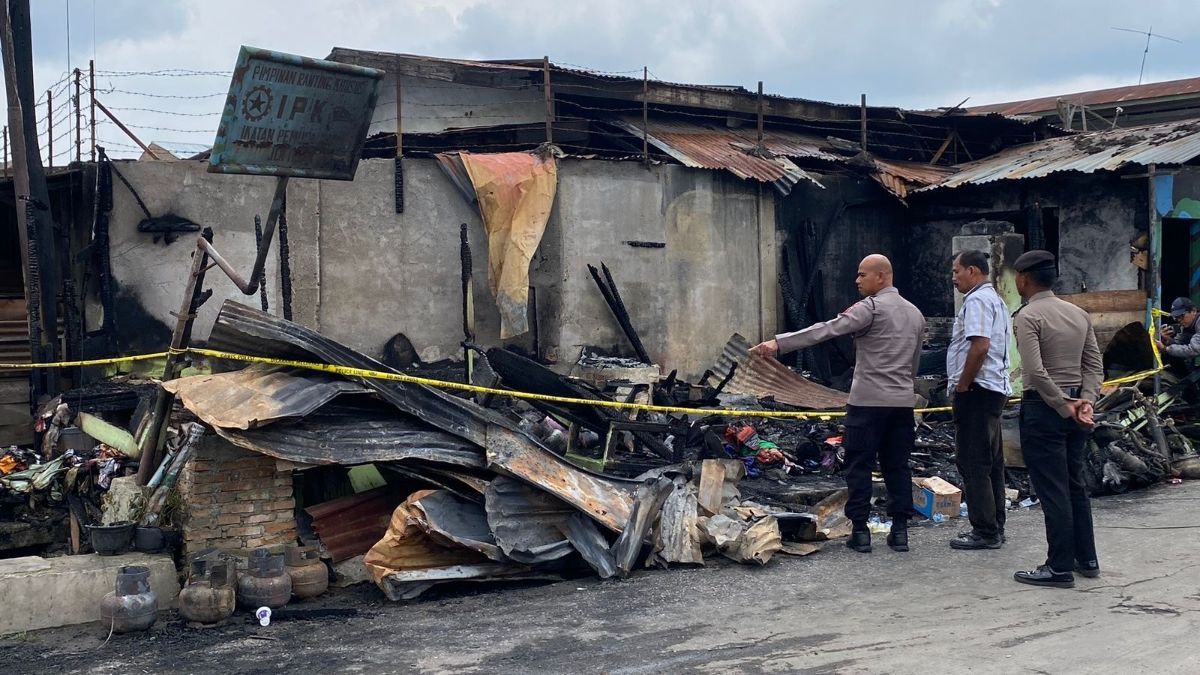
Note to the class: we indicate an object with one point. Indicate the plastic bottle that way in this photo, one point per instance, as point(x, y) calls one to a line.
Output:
point(962, 510)
point(264, 616)
point(939, 518)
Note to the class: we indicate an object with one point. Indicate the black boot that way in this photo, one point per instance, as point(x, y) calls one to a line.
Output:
point(898, 537)
point(860, 539)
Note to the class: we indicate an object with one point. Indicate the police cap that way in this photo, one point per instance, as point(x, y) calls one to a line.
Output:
point(1034, 260)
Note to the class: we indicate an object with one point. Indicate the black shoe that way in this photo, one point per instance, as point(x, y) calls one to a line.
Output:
point(897, 539)
point(1044, 576)
point(1003, 537)
point(860, 540)
point(971, 541)
point(1090, 569)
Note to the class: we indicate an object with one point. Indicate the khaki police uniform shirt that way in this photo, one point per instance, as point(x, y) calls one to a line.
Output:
point(888, 331)
point(1058, 350)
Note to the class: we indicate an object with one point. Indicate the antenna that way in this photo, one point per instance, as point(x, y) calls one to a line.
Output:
point(1149, 34)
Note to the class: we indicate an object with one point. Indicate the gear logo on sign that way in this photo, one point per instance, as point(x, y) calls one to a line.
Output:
point(257, 103)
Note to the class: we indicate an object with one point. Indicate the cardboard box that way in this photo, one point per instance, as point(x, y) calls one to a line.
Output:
point(934, 495)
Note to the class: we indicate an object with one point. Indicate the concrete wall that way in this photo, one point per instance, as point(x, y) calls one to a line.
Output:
point(362, 273)
point(150, 278)
point(714, 277)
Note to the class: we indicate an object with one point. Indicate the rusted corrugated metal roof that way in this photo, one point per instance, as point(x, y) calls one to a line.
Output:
point(708, 147)
point(1114, 95)
point(258, 394)
point(349, 526)
point(348, 436)
point(1173, 143)
point(900, 177)
point(767, 377)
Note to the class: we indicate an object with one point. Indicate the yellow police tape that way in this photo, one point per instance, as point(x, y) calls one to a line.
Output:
point(347, 371)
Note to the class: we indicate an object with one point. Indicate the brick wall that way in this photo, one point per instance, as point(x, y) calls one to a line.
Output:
point(236, 500)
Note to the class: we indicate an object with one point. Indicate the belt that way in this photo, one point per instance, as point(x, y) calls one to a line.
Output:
point(1032, 395)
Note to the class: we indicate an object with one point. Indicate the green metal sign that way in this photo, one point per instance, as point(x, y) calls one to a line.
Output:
point(290, 115)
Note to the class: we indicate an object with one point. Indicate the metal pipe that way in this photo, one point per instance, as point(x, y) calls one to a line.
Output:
point(117, 122)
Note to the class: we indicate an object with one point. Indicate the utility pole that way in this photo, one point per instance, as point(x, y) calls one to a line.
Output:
point(92, 91)
point(78, 119)
point(549, 99)
point(862, 111)
point(646, 115)
point(49, 129)
point(34, 225)
point(760, 117)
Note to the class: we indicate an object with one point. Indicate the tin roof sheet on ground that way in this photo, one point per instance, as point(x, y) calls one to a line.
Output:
point(763, 377)
point(1174, 143)
point(347, 435)
point(258, 394)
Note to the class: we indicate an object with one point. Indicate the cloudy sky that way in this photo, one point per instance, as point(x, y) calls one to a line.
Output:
point(917, 54)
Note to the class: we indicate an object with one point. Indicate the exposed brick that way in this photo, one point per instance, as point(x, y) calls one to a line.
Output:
point(200, 465)
point(235, 485)
point(202, 488)
point(288, 505)
point(281, 492)
point(241, 507)
point(261, 518)
point(230, 519)
point(275, 528)
point(245, 531)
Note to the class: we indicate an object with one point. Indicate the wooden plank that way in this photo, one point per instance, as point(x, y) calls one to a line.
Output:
point(1108, 301)
point(14, 390)
point(712, 486)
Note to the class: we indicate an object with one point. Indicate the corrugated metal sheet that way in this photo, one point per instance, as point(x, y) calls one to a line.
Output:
point(245, 330)
point(1173, 143)
point(900, 178)
point(767, 377)
point(349, 526)
point(709, 147)
point(258, 395)
point(1142, 92)
point(344, 435)
point(529, 525)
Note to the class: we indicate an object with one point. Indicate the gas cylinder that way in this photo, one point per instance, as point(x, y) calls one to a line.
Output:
point(132, 606)
point(266, 584)
point(310, 577)
point(210, 592)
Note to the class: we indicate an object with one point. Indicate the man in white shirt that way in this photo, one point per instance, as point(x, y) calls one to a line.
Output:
point(977, 368)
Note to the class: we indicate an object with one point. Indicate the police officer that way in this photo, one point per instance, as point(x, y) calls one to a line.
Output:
point(1062, 371)
point(888, 331)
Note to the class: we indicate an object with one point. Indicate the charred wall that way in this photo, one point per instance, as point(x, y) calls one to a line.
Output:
point(1087, 220)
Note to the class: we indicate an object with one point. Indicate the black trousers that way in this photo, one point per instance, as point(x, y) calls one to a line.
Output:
point(886, 434)
point(980, 457)
point(1054, 450)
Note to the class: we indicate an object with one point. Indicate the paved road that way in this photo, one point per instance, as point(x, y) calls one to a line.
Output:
point(932, 610)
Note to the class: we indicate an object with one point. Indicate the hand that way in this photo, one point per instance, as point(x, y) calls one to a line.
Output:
point(960, 388)
point(768, 349)
point(1085, 414)
point(1167, 332)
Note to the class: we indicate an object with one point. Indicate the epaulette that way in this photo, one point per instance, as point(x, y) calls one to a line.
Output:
point(1018, 310)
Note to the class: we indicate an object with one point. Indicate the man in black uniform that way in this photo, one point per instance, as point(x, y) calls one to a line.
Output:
point(1062, 371)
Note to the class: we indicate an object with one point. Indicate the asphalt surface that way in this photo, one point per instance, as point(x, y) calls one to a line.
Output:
point(931, 610)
